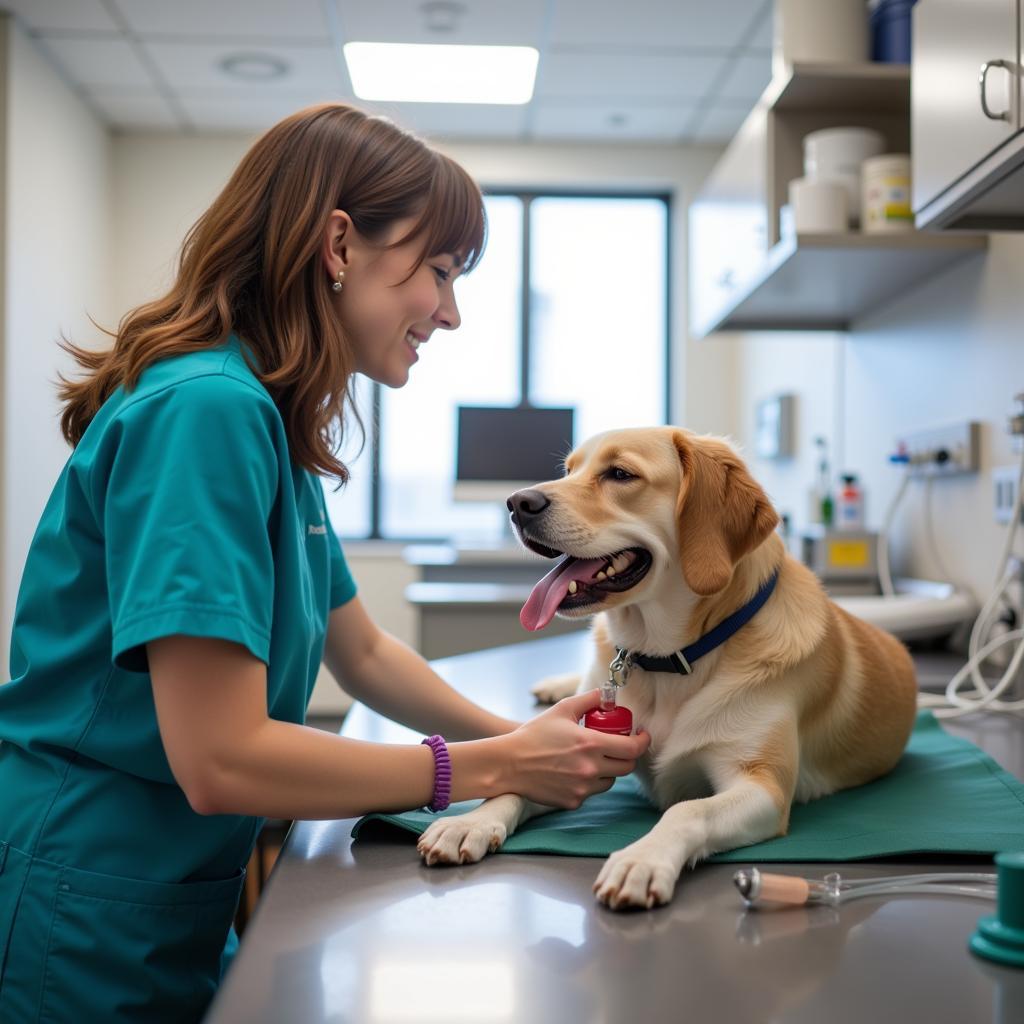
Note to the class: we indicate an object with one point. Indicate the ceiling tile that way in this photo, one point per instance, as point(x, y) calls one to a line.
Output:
point(90, 62)
point(271, 19)
point(663, 79)
point(761, 39)
point(241, 112)
point(62, 15)
point(196, 66)
point(682, 23)
point(609, 123)
point(504, 24)
point(135, 109)
point(720, 124)
point(746, 78)
point(455, 120)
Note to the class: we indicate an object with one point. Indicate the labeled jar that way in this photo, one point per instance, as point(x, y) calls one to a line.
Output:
point(885, 194)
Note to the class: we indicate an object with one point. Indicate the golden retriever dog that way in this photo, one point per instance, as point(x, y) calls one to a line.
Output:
point(665, 535)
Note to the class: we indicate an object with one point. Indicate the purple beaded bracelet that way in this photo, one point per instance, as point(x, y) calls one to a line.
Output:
point(442, 773)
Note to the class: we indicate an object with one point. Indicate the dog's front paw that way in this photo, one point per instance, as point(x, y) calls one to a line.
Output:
point(460, 840)
point(554, 688)
point(637, 876)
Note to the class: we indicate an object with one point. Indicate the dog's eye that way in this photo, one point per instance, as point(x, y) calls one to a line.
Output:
point(618, 473)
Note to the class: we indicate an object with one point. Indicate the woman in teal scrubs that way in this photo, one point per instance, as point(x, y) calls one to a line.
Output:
point(184, 584)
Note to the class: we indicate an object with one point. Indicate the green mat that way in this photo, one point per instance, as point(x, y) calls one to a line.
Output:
point(944, 796)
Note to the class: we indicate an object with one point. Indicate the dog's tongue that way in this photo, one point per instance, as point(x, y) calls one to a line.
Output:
point(549, 593)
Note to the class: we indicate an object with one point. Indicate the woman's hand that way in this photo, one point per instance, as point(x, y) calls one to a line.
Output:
point(556, 762)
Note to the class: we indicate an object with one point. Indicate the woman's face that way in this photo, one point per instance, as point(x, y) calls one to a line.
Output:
point(388, 314)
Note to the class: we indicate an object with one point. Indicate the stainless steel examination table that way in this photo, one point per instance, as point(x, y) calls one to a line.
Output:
point(364, 933)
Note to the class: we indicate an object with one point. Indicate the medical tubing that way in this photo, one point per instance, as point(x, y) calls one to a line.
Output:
point(884, 574)
point(985, 696)
point(987, 892)
point(929, 535)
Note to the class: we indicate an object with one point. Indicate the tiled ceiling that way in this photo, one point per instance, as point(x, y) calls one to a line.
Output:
point(610, 70)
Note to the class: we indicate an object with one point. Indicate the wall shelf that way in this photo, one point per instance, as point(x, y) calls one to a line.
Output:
point(744, 276)
point(824, 282)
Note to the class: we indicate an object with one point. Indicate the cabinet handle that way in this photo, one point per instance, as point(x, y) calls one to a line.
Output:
point(1005, 115)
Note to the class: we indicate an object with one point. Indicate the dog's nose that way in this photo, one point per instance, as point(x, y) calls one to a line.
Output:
point(527, 504)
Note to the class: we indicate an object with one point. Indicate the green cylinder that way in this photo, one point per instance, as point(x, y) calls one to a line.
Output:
point(1000, 937)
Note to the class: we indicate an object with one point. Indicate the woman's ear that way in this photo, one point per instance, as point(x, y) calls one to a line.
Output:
point(722, 513)
point(337, 239)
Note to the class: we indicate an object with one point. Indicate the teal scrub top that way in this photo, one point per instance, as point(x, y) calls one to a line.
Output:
point(179, 512)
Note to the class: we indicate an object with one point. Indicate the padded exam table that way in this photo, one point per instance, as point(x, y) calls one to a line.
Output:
point(362, 933)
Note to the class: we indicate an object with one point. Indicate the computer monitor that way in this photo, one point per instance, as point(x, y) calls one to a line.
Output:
point(499, 449)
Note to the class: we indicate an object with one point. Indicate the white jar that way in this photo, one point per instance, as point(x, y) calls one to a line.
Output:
point(819, 207)
point(819, 32)
point(885, 194)
point(837, 154)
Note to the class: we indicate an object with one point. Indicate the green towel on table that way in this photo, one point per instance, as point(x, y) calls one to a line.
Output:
point(944, 796)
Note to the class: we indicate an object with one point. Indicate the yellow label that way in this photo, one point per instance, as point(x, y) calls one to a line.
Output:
point(848, 554)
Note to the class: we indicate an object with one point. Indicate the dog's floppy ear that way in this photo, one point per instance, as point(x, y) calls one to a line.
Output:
point(722, 512)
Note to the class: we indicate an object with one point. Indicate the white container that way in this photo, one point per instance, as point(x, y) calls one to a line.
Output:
point(819, 32)
point(885, 194)
point(837, 154)
point(818, 206)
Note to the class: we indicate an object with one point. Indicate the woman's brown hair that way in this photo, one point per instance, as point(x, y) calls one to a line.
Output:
point(251, 266)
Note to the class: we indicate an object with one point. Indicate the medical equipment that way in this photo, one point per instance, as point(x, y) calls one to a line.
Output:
point(1000, 936)
point(758, 889)
point(986, 694)
point(609, 717)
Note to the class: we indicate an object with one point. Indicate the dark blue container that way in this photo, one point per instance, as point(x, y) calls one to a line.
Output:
point(890, 31)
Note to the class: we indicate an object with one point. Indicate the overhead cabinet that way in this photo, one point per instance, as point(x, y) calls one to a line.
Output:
point(744, 275)
point(967, 142)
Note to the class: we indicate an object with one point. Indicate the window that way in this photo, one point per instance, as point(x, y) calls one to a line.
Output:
point(592, 335)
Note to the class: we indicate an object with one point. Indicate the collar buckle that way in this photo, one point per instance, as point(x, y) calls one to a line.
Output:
point(620, 667)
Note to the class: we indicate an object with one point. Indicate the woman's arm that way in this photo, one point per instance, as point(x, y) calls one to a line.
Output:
point(378, 669)
point(229, 757)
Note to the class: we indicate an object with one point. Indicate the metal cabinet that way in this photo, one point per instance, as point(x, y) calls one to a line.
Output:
point(729, 223)
point(966, 118)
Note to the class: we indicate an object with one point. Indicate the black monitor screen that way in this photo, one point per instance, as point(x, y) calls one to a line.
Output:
point(519, 444)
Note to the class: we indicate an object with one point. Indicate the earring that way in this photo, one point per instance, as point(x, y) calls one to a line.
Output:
point(340, 283)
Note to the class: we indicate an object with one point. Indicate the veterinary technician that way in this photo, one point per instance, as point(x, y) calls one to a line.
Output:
point(184, 584)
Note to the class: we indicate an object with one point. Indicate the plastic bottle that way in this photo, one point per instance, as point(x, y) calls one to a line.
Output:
point(850, 504)
point(610, 717)
point(823, 490)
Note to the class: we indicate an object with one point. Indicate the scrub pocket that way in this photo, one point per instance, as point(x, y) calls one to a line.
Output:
point(121, 949)
point(14, 867)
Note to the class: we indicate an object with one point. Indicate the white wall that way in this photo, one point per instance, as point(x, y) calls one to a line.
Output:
point(950, 350)
point(57, 263)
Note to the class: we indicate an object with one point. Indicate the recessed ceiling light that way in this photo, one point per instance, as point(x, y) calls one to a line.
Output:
point(430, 73)
point(254, 67)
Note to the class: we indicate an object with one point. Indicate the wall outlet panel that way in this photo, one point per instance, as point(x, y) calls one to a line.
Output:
point(943, 451)
point(1004, 492)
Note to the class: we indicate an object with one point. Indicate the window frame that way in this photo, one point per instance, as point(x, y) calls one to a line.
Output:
point(526, 196)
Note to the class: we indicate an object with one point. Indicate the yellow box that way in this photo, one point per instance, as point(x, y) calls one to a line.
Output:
point(848, 554)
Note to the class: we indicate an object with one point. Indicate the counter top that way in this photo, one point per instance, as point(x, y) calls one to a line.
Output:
point(362, 932)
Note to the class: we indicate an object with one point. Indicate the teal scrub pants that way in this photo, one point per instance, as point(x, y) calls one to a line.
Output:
point(85, 947)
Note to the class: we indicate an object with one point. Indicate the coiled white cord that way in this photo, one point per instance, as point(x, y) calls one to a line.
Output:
point(985, 695)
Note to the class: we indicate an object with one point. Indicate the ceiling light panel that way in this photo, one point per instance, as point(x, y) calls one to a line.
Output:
point(424, 73)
